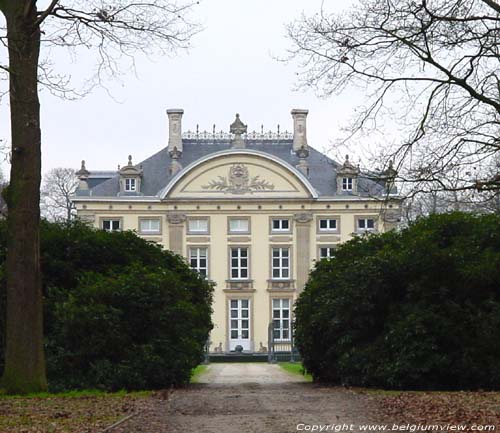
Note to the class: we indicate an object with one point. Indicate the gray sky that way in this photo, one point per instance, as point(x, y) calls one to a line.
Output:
point(229, 69)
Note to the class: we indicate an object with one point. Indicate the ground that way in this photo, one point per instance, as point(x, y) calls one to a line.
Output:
point(249, 398)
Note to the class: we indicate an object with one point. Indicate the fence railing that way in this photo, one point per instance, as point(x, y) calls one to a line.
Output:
point(280, 349)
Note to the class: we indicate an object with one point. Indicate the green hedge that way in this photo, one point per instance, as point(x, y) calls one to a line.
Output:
point(416, 309)
point(120, 313)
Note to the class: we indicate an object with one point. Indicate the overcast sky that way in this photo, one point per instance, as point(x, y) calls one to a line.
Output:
point(230, 68)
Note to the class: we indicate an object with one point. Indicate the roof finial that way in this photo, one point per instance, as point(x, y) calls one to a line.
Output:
point(238, 128)
point(130, 160)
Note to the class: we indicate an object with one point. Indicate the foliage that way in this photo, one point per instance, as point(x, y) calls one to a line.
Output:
point(414, 309)
point(296, 368)
point(119, 311)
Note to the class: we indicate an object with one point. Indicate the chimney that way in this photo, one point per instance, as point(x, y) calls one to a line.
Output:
point(299, 129)
point(175, 129)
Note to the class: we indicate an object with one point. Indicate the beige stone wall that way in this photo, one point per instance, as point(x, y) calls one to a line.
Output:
point(304, 240)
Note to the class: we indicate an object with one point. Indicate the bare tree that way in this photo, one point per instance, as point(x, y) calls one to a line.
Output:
point(58, 186)
point(429, 68)
point(113, 29)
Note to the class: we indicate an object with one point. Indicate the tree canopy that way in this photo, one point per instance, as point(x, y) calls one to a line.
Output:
point(429, 69)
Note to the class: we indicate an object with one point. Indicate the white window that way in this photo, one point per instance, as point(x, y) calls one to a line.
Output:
point(198, 259)
point(366, 224)
point(149, 225)
point(281, 263)
point(327, 224)
point(280, 225)
point(130, 184)
point(281, 319)
point(111, 225)
point(239, 263)
point(326, 252)
point(347, 184)
point(239, 225)
point(199, 225)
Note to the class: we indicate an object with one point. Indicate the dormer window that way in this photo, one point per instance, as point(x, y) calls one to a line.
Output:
point(130, 185)
point(347, 184)
point(130, 178)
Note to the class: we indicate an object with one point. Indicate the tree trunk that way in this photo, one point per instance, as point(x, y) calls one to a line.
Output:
point(24, 357)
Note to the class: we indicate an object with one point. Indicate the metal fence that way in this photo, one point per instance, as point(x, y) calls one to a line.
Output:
point(279, 349)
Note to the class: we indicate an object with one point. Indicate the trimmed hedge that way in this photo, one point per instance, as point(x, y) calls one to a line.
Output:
point(120, 312)
point(416, 309)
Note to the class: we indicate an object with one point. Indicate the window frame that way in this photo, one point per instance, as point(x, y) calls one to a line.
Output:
point(280, 258)
point(365, 218)
point(120, 223)
point(274, 231)
point(148, 232)
point(320, 231)
point(320, 247)
point(198, 258)
point(280, 308)
point(130, 180)
point(348, 185)
point(239, 258)
point(189, 231)
point(238, 232)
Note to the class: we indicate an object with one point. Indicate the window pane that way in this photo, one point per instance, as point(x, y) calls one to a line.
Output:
point(243, 252)
point(361, 224)
point(285, 324)
point(234, 273)
point(370, 223)
point(244, 303)
point(285, 334)
point(285, 224)
point(244, 273)
point(198, 225)
point(234, 313)
point(244, 313)
point(234, 334)
point(244, 324)
point(276, 273)
point(276, 224)
point(323, 224)
point(285, 273)
point(285, 314)
point(234, 324)
point(276, 314)
point(238, 225)
point(286, 303)
point(244, 334)
point(234, 303)
point(284, 252)
point(276, 303)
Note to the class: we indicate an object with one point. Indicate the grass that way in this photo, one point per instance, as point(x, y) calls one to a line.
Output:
point(295, 368)
point(76, 394)
point(197, 372)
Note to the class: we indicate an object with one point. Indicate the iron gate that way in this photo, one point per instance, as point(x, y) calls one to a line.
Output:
point(279, 349)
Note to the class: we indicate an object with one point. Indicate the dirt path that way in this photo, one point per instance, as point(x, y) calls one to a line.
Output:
point(260, 398)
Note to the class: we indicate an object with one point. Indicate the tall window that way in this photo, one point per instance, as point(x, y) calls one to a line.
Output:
point(198, 259)
point(130, 184)
point(149, 225)
point(281, 319)
point(280, 225)
point(198, 225)
point(326, 252)
point(239, 225)
point(366, 224)
point(347, 184)
point(281, 263)
point(239, 263)
point(327, 224)
point(111, 225)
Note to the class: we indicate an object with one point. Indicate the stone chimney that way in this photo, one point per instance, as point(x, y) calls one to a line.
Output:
point(175, 129)
point(299, 129)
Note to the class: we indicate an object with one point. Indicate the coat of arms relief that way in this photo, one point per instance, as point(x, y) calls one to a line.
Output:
point(239, 181)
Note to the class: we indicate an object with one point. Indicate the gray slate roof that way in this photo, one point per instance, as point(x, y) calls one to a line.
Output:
point(156, 174)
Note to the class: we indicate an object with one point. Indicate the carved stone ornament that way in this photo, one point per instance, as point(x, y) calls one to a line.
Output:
point(239, 182)
point(391, 216)
point(176, 218)
point(303, 217)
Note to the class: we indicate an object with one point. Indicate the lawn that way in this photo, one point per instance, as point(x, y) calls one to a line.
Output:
point(295, 368)
point(197, 372)
point(77, 411)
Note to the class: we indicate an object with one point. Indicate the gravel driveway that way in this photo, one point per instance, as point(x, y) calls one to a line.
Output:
point(261, 398)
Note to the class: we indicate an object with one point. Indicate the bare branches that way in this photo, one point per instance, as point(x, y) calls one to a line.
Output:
point(46, 12)
point(430, 67)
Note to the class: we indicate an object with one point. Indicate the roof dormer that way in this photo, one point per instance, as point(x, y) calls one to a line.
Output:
point(347, 178)
point(130, 178)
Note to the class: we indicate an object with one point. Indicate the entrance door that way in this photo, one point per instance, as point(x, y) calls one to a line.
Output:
point(239, 323)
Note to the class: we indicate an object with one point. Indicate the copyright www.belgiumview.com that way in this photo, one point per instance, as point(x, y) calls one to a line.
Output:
point(318, 428)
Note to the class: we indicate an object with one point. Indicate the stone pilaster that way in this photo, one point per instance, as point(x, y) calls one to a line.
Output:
point(176, 232)
point(303, 247)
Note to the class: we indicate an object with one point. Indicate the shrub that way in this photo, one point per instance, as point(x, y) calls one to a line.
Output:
point(119, 311)
point(414, 309)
